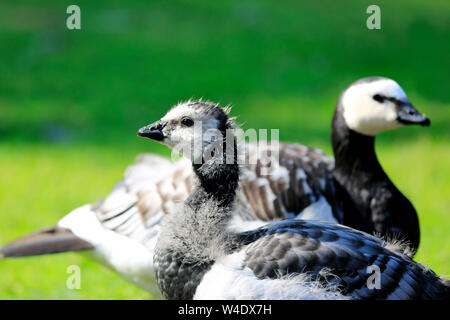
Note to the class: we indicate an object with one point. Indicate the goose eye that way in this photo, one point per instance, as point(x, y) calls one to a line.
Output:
point(378, 98)
point(188, 122)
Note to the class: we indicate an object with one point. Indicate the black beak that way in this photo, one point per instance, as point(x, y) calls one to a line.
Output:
point(153, 131)
point(408, 115)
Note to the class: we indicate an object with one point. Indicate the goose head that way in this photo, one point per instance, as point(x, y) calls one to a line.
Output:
point(190, 128)
point(373, 105)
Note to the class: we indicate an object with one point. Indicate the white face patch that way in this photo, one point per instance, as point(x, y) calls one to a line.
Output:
point(179, 111)
point(189, 141)
point(365, 115)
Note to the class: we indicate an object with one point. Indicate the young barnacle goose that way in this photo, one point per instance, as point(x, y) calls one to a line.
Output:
point(198, 256)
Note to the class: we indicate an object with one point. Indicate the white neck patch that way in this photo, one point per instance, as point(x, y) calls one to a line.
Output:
point(365, 115)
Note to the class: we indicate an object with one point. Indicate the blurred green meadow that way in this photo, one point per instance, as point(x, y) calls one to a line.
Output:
point(72, 101)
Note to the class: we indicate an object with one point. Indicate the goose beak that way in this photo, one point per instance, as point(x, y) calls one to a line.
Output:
point(153, 131)
point(408, 115)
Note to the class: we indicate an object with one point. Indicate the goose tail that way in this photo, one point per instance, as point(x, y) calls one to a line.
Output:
point(47, 241)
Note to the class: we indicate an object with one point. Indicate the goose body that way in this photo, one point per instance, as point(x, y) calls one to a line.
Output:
point(121, 230)
point(197, 256)
point(300, 259)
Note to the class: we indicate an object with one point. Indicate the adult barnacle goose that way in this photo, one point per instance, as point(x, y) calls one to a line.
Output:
point(198, 256)
point(370, 200)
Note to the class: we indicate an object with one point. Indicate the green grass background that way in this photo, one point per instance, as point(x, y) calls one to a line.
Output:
point(71, 102)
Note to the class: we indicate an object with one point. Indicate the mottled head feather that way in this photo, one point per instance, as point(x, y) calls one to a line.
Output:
point(212, 109)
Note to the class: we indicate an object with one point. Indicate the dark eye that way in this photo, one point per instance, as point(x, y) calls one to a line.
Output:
point(378, 98)
point(188, 122)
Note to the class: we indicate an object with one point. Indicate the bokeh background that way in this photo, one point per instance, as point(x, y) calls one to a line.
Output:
point(71, 102)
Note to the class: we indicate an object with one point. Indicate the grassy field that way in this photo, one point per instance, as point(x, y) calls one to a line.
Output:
point(71, 102)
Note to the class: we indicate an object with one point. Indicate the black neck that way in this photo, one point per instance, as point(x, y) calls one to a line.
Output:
point(354, 154)
point(199, 231)
point(218, 177)
point(369, 200)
